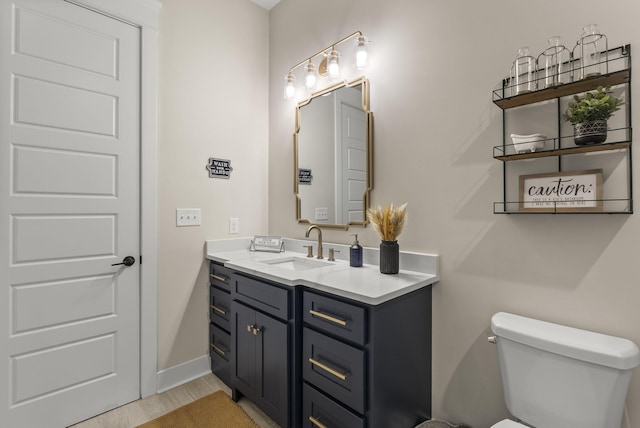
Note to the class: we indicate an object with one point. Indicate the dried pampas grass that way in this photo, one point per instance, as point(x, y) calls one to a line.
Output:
point(388, 221)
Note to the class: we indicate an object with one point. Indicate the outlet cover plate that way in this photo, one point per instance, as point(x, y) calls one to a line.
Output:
point(322, 213)
point(234, 225)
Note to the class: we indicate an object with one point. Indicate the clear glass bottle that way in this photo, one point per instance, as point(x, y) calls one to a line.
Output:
point(556, 62)
point(592, 53)
point(522, 72)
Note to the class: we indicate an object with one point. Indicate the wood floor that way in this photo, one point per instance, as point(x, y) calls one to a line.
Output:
point(141, 411)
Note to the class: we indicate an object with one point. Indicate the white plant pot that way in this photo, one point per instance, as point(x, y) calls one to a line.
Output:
point(528, 143)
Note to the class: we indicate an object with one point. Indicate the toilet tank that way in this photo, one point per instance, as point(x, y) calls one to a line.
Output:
point(557, 376)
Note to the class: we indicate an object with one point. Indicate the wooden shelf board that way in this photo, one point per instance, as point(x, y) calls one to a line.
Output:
point(566, 151)
point(584, 85)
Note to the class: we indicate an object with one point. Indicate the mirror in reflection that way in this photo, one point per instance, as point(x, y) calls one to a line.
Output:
point(333, 157)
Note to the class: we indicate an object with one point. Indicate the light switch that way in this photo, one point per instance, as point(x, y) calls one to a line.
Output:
point(188, 217)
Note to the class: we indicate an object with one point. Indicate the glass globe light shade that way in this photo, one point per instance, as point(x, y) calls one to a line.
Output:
point(361, 52)
point(333, 64)
point(310, 75)
point(289, 86)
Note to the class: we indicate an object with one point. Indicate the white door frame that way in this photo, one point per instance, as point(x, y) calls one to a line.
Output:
point(144, 14)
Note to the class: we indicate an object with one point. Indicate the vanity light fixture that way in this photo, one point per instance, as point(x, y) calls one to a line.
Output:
point(328, 65)
point(361, 52)
point(289, 86)
point(333, 64)
point(310, 75)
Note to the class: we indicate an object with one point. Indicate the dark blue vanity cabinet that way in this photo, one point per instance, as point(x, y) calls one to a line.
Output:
point(263, 329)
point(312, 359)
point(220, 321)
point(366, 365)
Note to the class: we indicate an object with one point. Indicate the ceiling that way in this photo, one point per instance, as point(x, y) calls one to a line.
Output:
point(267, 4)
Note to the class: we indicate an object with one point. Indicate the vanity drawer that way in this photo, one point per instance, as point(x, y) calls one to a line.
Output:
point(219, 342)
point(261, 295)
point(220, 351)
point(336, 317)
point(320, 411)
point(219, 308)
point(334, 367)
point(220, 276)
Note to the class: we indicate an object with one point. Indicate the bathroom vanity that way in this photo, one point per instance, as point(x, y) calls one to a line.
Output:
point(316, 343)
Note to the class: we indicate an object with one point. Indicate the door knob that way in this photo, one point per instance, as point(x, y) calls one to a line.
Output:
point(127, 261)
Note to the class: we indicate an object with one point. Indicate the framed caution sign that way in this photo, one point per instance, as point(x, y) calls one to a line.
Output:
point(579, 191)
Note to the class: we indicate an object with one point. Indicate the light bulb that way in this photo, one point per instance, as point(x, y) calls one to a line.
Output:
point(361, 52)
point(333, 64)
point(289, 87)
point(310, 75)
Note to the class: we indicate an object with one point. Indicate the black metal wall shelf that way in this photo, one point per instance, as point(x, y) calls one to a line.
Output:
point(614, 206)
point(618, 65)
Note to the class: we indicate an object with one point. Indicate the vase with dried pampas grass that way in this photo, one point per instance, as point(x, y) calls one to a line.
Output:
point(388, 222)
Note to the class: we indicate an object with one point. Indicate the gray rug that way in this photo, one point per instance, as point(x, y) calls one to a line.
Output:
point(440, 424)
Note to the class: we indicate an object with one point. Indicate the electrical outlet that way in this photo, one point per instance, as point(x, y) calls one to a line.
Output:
point(234, 225)
point(322, 214)
point(188, 217)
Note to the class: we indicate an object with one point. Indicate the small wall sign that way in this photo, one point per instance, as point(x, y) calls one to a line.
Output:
point(304, 176)
point(219, 168)
point(273, 244)
point(562, 191)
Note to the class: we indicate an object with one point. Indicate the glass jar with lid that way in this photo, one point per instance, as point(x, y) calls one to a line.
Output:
point(591, 53)
point(522, 72)
point(554, 63)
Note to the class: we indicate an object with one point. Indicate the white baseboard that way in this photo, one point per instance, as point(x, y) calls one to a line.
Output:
point(183, 373)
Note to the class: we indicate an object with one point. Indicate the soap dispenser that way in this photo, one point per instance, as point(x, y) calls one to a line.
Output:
point(355, 253)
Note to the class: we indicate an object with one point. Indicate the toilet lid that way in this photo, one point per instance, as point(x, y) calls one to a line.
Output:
point(508, 423)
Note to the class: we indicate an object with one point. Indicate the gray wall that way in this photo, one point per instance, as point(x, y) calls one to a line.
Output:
point(435, 64)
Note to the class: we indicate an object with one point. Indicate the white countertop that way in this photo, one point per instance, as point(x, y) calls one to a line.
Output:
point(365, 284)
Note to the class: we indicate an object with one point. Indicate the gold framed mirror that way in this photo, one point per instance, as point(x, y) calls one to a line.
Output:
point(333, 156)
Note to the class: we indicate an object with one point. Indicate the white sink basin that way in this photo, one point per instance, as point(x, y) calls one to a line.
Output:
point(296, 263)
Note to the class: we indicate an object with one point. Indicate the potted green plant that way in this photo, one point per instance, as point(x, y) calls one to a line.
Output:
point(589, 113)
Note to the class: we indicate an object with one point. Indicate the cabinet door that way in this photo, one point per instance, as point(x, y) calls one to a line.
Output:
point(273, 367)
point(244, 354)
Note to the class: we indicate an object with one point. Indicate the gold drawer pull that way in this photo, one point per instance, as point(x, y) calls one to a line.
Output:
point(337, 374)
point(218, 350)
point(218, 277)
point(217, 309)
point(316, 422)
point(328, 317)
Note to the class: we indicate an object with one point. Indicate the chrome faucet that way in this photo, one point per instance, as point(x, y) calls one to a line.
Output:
point(313, 226)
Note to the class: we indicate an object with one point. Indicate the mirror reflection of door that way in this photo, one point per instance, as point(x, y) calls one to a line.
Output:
point(351, 162)
point(317, 153)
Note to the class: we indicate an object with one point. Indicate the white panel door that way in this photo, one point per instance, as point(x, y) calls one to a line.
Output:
point(69, 210)
point(351, 159)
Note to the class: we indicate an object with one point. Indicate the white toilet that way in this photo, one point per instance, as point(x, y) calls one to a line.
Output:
point(557, 376)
